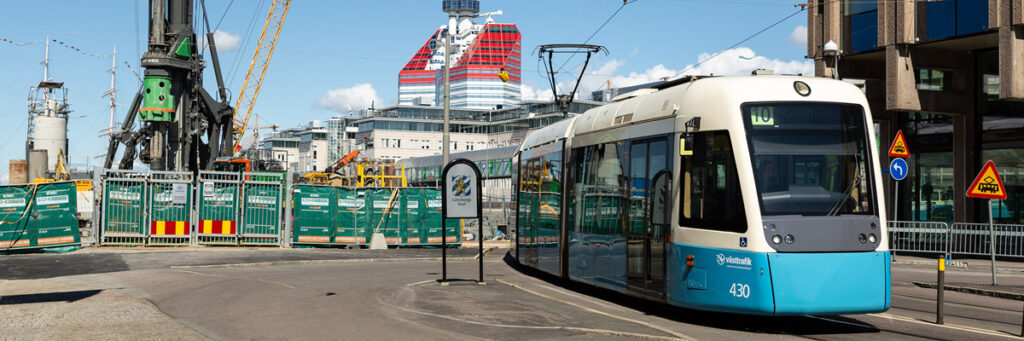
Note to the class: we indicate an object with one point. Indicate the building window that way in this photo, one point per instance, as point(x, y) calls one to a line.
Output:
point(933, 80)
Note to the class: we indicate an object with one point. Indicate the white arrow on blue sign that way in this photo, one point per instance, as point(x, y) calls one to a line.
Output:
point(898, 169)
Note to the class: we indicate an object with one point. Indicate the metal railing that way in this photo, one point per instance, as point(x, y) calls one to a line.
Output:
point(963, 239)
point(919, 237)
point(976, 239)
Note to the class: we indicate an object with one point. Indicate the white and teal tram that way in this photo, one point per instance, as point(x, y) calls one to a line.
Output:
point(755, 195)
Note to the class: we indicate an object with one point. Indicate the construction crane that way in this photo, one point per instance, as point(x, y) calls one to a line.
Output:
point(174, 108)
point(260, 62)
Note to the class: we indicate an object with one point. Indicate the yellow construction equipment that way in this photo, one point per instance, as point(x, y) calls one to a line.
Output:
point(260, 61)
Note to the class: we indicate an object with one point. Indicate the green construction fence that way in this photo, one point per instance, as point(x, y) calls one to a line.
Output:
point(336, 216)
point(38, 216)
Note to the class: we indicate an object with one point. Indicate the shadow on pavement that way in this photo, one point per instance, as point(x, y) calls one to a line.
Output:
point(796, 325)
point(66, 296)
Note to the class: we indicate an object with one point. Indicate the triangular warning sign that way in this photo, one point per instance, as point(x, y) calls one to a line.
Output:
point(899, 146)
point(988, 184)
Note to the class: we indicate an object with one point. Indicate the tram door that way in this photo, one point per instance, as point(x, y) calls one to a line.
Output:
point(649, 188)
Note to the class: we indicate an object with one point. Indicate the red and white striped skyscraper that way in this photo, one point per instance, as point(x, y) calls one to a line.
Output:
point(479, 53)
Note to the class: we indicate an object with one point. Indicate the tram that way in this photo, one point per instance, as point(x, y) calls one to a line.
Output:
point(755, 195)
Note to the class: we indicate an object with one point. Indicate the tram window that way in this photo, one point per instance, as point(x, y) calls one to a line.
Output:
point(597, 189)
point(711, 189)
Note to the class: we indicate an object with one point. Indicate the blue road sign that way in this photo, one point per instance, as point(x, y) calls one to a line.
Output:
point(898, 169)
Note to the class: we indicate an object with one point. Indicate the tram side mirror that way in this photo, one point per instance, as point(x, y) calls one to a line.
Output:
point(686, 144)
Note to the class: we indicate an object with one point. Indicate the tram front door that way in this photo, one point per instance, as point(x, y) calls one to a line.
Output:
point(649, 194)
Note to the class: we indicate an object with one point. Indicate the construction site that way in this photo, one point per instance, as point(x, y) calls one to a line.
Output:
point(187, 167)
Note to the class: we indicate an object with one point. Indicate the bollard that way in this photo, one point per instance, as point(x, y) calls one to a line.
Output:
point(1022, 326)
point(939, 291)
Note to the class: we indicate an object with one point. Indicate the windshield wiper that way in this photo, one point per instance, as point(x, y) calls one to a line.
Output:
point(846, 194)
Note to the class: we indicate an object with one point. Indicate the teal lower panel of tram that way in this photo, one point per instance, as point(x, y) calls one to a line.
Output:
point(778, 283)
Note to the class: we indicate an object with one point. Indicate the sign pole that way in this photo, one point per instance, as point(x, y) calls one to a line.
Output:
point(992, 241)
point(444, 241)
point(895, 205)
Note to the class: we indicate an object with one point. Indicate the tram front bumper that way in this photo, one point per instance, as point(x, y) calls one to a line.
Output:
point(830, 283)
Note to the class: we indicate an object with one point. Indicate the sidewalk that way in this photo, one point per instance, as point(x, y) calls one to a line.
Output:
point(970, 275)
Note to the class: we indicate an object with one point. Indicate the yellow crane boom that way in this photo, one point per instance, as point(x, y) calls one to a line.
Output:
point(260, 61)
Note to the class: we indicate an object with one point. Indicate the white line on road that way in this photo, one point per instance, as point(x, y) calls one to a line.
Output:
point(642, 323)
point(950, 326)
point(233, 277)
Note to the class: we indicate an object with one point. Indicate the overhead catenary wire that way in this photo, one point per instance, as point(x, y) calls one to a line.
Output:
point(699, 63)
point(599, 28)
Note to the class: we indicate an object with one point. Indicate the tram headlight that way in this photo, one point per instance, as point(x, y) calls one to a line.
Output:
point(789, 239)
point(862, 238)
point(872, 238)
point(777, 239)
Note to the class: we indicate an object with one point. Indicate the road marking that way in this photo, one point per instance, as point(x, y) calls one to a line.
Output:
point(950, 326)
point(568, 328)
point(421, 282)
point(233, 277)
point(865, 326)
point(642, 323)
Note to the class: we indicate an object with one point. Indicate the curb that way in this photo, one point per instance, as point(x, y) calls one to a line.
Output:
point(976, 291)
point(959, 265)
point(318, 262)
point(331, 261)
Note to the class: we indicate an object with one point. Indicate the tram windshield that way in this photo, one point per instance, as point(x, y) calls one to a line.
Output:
point(810, 158)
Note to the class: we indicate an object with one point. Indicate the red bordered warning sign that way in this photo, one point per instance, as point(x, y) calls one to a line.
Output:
point(899, 146)
point(988, 184)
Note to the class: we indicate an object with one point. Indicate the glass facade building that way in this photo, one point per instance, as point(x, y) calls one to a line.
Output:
point(947, 74)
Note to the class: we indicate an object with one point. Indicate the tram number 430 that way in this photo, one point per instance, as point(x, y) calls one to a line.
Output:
point(740, 290)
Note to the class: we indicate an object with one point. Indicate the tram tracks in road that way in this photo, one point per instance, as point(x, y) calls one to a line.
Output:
point(1013, 315)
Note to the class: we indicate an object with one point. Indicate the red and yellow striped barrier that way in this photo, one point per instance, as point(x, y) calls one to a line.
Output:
point(168, 228)
point(226, 227)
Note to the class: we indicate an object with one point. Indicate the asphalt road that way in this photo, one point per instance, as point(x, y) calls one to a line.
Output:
point(359, 294)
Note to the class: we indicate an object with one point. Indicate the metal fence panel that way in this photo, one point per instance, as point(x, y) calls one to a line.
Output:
point(347, 230)
point(124, 220)
point(919, 236)
point(218, 208)
point(415, 211)
point(975, 239)
point(261, 210)
point(170, 208)
point(15, 231)
point(55, 214)
point(313, 214)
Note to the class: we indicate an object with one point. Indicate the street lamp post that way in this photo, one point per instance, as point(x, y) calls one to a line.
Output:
point(832, 49)
point(447, 99)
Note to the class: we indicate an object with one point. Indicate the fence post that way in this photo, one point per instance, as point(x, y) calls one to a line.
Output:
point(286, 232)
point(949, 243)
point(97, 195)
point(940, 290)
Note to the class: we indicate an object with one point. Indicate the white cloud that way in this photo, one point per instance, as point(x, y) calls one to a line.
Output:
point(728, 63)
point(532, 93)
point(356, 97)
point(799, 36)
point(225, 41)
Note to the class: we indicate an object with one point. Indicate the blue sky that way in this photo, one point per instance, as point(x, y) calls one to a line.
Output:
point(333, 54)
